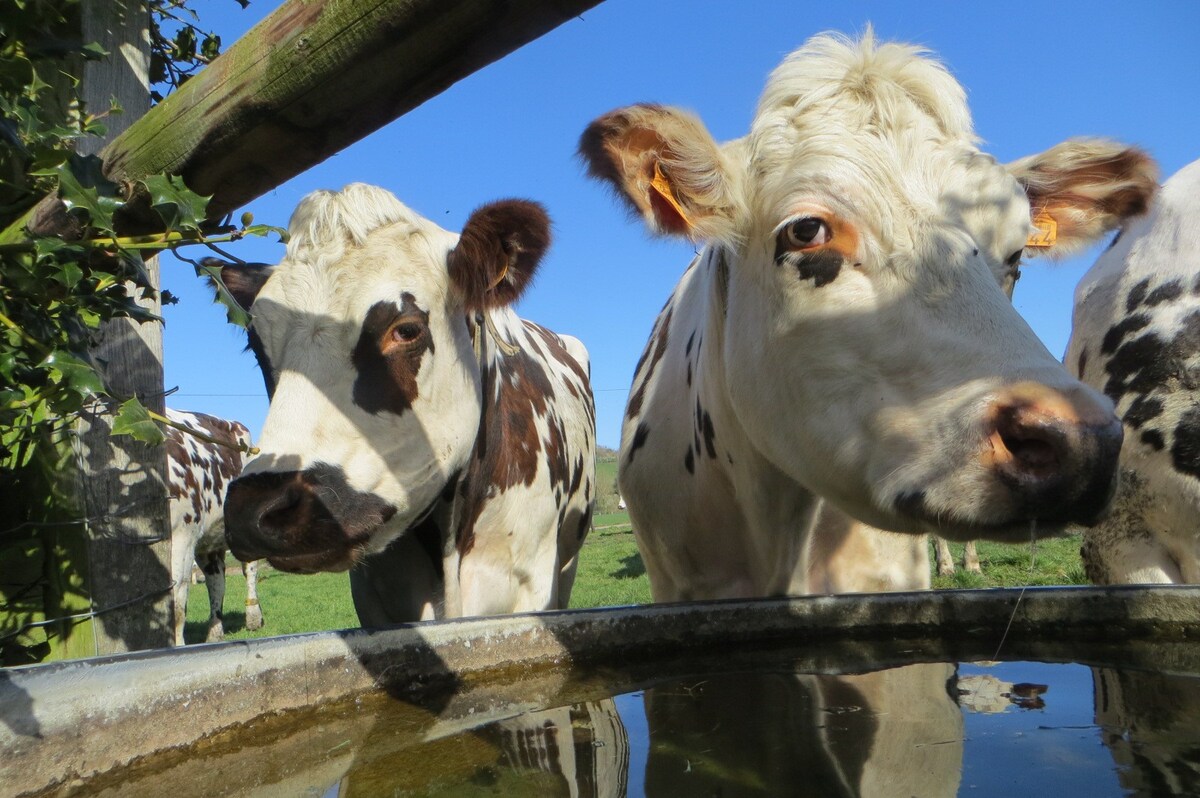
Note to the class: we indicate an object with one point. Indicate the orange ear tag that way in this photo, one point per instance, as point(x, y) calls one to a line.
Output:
point(1046, 233)
point(660, 185)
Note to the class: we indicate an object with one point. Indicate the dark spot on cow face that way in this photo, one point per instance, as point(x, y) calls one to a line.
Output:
point(639, 440)
point(1116, 334)
point(689, 461)
point(388, 356)
point(1137, 295)
point(1196, 286)
point(1185, 452)
point(820, 266)
point(687, 350)
point(1164, 293)
point(1081, 364)
point(1154, 439)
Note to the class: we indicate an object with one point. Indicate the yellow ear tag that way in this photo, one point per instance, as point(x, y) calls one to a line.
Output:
point(660, 184)
point(1046, 233)
point(503, 274)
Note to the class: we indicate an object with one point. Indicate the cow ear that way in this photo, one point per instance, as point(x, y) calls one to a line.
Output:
point(243, 281)
point(1081, 189)
point(666, 166)
point(498, 252)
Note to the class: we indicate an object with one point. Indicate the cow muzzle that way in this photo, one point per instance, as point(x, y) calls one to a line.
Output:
point(1056, 451)
point(301, 521)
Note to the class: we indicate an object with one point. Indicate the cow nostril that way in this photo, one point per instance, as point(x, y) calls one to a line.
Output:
point(280, 515)
point(1028, 444)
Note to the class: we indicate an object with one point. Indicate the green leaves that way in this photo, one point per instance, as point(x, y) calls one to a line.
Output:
point(57, 291)
point(85, 191)
point(133, 419)
point(234, 312)
point(177, 206)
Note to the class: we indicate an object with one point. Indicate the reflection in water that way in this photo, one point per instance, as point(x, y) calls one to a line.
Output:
point(1150, 723)
point(581, 751)
point(889, 733)
point(930, 730)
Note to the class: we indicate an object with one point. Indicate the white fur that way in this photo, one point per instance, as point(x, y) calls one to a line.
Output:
point(863, 390)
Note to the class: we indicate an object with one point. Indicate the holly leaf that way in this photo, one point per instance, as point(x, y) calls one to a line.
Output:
point(85, 190)
point(133, 419)
point(179, 207)
point(235, 313)
point(71, 371)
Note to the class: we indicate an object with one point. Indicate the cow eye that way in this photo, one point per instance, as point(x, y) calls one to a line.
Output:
point(405, 332)
point(1015, 258)
point(807, 233)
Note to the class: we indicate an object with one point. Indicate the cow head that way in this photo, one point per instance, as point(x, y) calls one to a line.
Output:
point(365, 331)
point(868, 348)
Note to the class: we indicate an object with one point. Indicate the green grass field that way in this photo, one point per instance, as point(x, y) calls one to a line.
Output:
point(611, 573)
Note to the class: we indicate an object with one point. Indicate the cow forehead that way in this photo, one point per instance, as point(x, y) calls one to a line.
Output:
point(317, 299)
point(884, 129)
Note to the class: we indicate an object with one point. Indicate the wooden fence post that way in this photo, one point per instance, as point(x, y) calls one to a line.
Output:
point(122, 482)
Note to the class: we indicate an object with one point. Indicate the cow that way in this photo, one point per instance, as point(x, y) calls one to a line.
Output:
point(842, 337)
point(419, 432)
point(945, 560)
point(1135, 335)
point(198, 473)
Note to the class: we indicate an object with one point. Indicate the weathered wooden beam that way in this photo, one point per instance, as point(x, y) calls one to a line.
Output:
point(314, 77)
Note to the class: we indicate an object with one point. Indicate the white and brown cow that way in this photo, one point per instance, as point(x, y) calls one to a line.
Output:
point(1136, 336)
point(419, 432)
point(199, 472)
point(843, 335)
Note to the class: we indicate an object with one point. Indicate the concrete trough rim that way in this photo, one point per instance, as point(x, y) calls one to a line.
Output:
point(49, 713)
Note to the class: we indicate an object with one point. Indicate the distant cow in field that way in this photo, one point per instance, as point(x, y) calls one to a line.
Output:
point(199, 472)
point(944, 559)
point(1136, 336)
point(843, 335)
point(419, 433)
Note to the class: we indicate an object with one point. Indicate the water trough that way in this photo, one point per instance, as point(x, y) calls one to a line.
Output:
point(339, 711)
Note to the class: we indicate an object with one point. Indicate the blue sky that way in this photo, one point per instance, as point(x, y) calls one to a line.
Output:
point(1035, 74)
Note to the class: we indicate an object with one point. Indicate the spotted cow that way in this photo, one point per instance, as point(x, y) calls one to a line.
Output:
point(420, 433)
point(1136, 336)
point(843, 339)
point(199, 471)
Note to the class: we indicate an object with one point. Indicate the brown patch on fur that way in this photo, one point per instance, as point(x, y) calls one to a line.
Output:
point(499, 252)
point(388, 356)
point(508, 447)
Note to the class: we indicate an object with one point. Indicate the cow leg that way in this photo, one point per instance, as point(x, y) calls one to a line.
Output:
point(971, 558)
point(254, 618)
point(941, 553)
point(182, 560)
point(214, 579)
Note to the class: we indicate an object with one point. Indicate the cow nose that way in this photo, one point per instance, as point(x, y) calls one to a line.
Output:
point(261, 510)
point(1056, 450)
